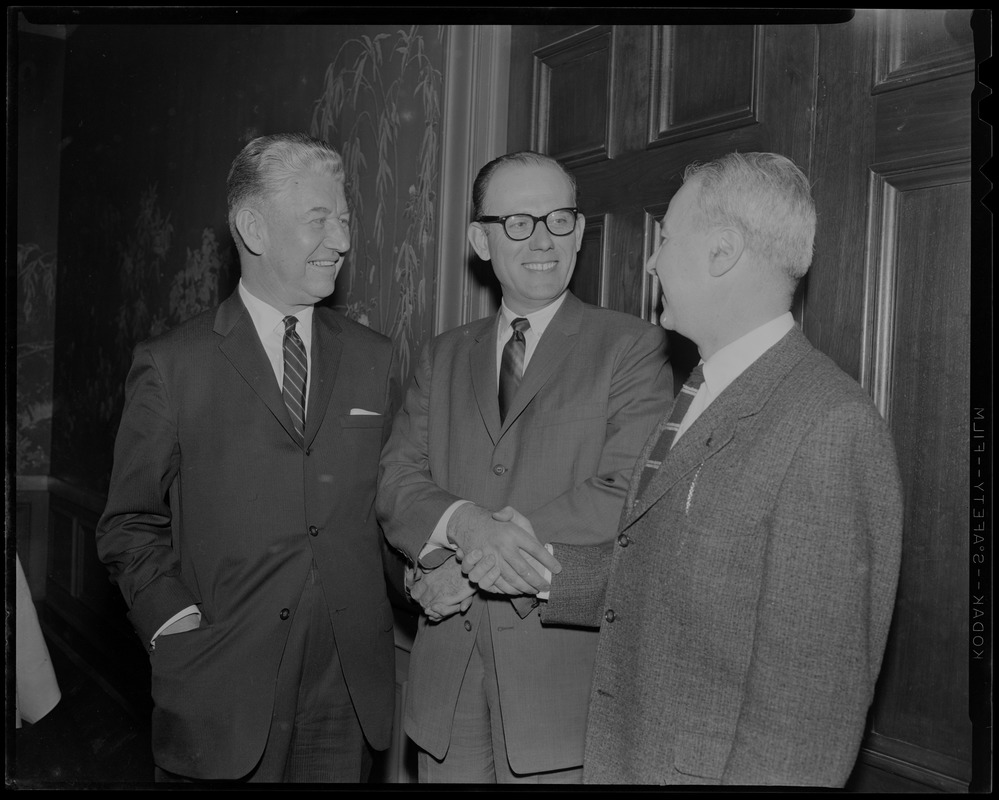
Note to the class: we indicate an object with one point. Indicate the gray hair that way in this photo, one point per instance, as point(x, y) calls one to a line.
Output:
point(265, 165)
point(768, 199)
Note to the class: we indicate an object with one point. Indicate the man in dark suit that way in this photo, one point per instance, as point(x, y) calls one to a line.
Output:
point(491, 695)
point(240, 523)
point(744, 605)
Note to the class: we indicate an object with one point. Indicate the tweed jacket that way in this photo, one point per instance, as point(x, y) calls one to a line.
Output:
point(214, 502)
point(591, 393)
point(744, 607)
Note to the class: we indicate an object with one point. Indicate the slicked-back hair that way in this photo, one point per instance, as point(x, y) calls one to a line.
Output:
point(266, 164)
point(768, 199)
point(527, 158)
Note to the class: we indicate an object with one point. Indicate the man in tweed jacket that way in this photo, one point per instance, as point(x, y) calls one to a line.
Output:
point(745, 603)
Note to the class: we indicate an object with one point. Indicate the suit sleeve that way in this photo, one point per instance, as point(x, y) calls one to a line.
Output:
point(134, 538)
point(577, 592)
point(641, 389)
point(409, 503)
point(392, 561)
point(826, 599)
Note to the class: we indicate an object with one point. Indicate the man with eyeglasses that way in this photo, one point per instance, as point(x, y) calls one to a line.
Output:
point(540, 410)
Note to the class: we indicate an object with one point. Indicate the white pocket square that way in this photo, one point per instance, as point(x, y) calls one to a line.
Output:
point(354, 411)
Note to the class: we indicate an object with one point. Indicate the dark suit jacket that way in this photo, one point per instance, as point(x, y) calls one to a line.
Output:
point(745, 605)
point(213, 502)
point(591, 393)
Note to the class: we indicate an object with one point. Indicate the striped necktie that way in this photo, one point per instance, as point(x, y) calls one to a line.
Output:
point(512, 365)
point(668, 431)
point(295, 372)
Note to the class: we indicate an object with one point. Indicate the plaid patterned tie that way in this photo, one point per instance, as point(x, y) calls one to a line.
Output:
point(668, 431)
point(512, 366)
point(295, 372)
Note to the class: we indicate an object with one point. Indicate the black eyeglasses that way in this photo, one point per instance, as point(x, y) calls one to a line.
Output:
point(518, 227)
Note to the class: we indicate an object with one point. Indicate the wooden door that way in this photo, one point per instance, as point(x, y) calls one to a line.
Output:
point(875, 109)
point(626, 108)
point(891, 304)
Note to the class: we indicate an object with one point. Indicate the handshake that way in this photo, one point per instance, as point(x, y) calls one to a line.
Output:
point(496, 552)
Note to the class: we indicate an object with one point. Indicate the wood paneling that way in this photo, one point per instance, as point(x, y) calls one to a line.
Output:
point(688, 100)
point(833, 314)
point(82, 608)
point(920, 45)
point(573, 91)
point(936, 115)
point(31, 526)
point(919, 377)
point(588, 278)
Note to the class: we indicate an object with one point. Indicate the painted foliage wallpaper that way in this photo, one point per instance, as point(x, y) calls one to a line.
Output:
point(39, 106)
point(152, 118)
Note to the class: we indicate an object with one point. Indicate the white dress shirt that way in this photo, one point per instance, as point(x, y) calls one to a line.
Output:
point(269, 323)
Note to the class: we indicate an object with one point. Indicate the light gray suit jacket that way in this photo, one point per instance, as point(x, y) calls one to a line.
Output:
point(745, 604)
point(591, 393)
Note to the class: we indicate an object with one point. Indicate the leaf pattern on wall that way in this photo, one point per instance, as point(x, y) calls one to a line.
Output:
point(144, 259)
point(36, 274)
point(376, 91)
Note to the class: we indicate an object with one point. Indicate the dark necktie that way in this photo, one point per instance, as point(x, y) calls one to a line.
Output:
point(512, 365)
point(295, 373)
point(668, 431)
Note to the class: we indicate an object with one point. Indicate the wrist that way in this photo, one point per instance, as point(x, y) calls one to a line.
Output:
point(460, 524)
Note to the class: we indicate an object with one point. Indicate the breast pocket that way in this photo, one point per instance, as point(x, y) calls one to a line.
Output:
point(361, 439)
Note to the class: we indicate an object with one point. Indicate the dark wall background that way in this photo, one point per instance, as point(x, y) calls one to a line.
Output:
point(38, 110)
point(152, 116)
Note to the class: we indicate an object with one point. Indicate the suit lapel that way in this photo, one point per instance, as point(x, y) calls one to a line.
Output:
point(690, 452)
point(558, 340)
point(482, 366)
point(326, 351)
point(718, 425)
point(241, 345)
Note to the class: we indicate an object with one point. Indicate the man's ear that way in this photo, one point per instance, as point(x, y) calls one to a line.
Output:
point(250, 226)
point(479, 241)
point(580, 225)
point(727, 245)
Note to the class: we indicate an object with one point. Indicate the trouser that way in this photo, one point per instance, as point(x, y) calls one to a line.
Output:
point(315, 736)
point(477, 753)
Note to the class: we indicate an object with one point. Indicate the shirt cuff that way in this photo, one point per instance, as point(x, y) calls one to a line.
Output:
point(439, 536)
point(180, 614)
point(546, 574)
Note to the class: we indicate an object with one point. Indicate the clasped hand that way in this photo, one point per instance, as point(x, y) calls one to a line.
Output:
point(442, 591)
point(499, 551)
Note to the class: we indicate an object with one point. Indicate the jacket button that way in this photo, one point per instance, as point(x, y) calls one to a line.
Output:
point(609, 615)
point(313, 530)
point(285, 613)
point(499, 469)
point(468, 625)
point(308, 451)
point(623, 540)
